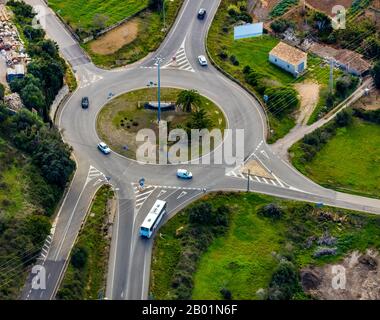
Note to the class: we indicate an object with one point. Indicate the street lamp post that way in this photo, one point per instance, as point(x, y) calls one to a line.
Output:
point(158, 61)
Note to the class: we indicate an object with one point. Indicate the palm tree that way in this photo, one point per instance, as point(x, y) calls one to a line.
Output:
point(188, 98)
point(200, 120)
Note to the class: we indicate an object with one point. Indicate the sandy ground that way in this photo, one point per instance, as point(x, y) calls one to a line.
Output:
point(255, 169)
point(115, 39)
point(309, 94)
point(370, 102)
point(359, 274)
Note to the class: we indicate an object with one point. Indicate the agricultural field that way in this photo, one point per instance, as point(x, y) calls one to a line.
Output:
point(86, 15)
point(348, 162)
point(240, 259)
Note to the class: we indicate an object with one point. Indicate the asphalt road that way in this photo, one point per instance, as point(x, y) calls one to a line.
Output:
point(129, 265)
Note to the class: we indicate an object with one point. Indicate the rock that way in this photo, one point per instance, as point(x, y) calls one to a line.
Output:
point(325, 252)
point(368, 261)
point(310, 279)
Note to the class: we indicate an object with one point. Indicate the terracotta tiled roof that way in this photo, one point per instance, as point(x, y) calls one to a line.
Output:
point(288, 53)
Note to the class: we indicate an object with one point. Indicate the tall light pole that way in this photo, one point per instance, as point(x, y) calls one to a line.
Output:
point(158, 62)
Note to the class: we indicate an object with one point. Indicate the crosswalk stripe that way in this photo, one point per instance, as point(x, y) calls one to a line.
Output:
point(257, 179)
point(273, 182)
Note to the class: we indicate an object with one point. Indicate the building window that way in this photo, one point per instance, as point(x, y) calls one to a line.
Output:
point(275, 60)
point(288, 66)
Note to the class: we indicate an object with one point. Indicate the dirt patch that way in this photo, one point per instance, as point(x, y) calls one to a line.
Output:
point(263, 7)
point(115, 39)
point(370, 102)
point(327, 5)
point(309, 94)
point(256, 169)
point(361, 280)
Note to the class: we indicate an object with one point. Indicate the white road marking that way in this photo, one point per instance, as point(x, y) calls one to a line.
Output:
point(183, 193)
point(161, 193)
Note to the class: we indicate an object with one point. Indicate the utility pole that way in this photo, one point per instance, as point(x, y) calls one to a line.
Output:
point(158, 62)
point(331, 80)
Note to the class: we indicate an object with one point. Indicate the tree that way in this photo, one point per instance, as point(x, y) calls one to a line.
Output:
point(188, 99)
point(79, 257)
point(32, 97)
point(285, 282)
point(199, 120)
point(155, 5)
point(343, 118)
point(2, 92)
point(376, 74)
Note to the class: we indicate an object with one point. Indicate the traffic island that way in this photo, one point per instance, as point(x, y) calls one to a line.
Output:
point(120, 120)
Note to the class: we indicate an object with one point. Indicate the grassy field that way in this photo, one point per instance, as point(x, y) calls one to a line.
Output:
point(349, 162)
point(79, 14)
point(244, 259)
point(150, 36)
point(87, 281)
point(120, 120)
point(254, 52)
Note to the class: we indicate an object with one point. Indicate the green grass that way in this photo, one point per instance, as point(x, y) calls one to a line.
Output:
point(93, 238)
point(81, 13)
point(349, 162)
point(150, 36)
point(244, 259)
point(254, 53)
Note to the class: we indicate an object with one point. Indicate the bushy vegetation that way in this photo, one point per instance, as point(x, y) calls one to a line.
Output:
point(376, 74)
point(35, 166)
point(281, 25)
point(282, 7)
point(368, 115)
point(204, 223)
point(256, 257)
point(47, 69)
point(85, 278)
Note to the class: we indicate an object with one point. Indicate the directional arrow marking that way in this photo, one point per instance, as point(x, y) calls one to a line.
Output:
point(161, 193)
point(181, 194)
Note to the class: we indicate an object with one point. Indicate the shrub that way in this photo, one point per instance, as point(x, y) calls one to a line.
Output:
point(376, 74)
point(234, 60)
point(271, 210)
point(282, 100)
point(223, 55)
point(285, 282)
point(226, 294)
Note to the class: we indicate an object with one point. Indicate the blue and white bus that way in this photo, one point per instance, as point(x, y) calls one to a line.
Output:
point(153, 219)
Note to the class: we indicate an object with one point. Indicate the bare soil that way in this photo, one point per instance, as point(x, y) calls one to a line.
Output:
point(115, 39)
point(256, 169)
point(362, 278)
point(327, 5)
point(370, 102)
point(309, 94)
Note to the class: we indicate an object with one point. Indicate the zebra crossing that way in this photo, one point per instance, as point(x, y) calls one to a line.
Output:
point(142, 195)
point(95, 173)
point(237, 173)
point(180, 62)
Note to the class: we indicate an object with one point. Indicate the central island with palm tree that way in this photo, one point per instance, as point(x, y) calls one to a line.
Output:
point(120, 120)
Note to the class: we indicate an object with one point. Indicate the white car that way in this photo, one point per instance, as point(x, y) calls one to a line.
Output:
point(102, 146)
point(184, 174)
point(202, 60)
